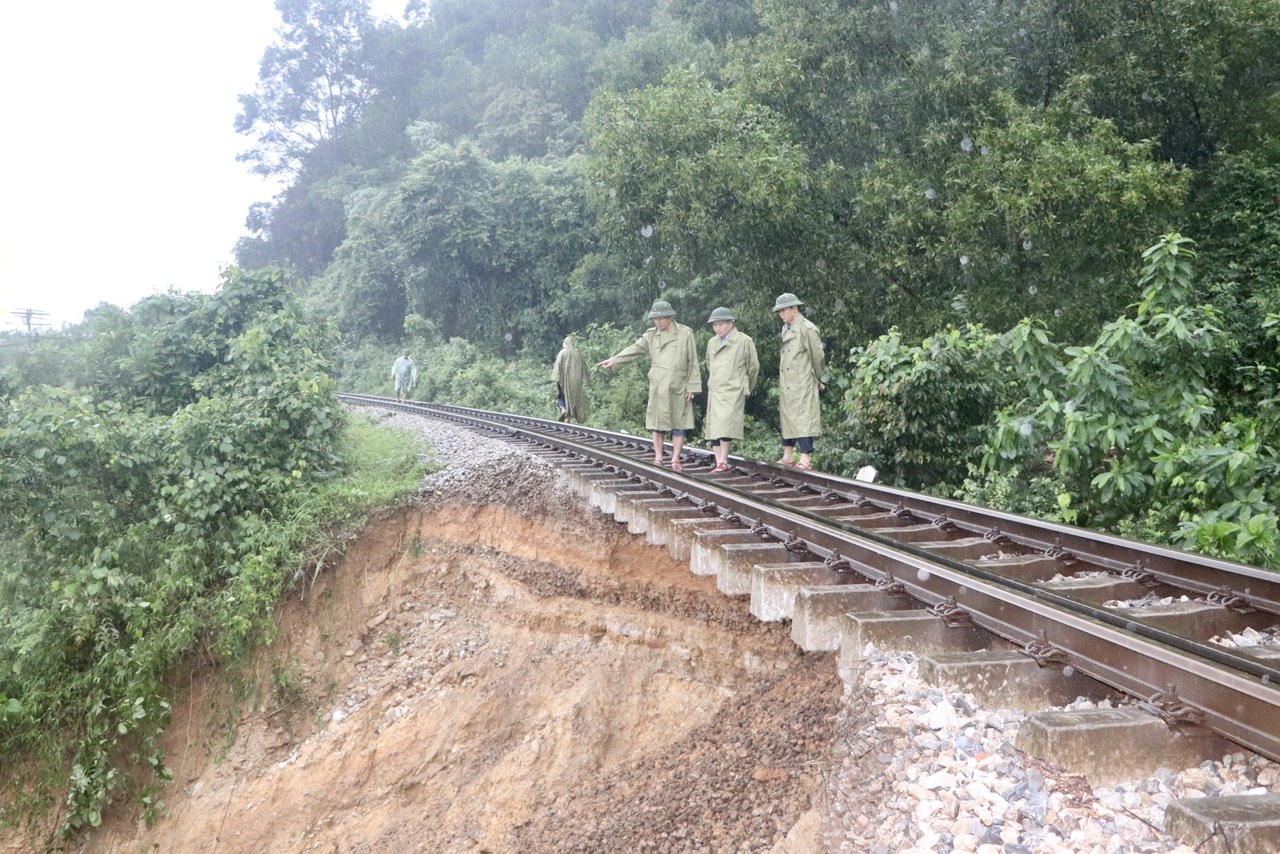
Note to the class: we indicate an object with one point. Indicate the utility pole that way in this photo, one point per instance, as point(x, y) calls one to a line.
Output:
point(30, 318)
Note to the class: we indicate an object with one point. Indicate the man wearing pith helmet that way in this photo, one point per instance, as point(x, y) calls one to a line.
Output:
point(800, 366)
point(674, 378)
point(732, 371)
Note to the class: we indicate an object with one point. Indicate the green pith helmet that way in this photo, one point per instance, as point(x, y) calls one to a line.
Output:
point(662, 308)
point(786, 301)
point(720, 313)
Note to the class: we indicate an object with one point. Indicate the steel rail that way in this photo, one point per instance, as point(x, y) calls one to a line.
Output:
point(1173, 677)
point(1236, 585)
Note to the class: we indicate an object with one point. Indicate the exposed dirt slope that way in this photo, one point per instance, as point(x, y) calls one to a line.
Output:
point(494, 677)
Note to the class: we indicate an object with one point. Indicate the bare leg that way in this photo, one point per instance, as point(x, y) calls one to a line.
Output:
point(657, 447)
point(722, 453)
point(677, 443)
point(788, 454)
point(804, 461)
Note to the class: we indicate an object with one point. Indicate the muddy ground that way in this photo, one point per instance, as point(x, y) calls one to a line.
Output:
point(504, 669)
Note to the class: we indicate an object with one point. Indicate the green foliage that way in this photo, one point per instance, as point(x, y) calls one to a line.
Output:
point(455, 372)
point(1133, 428)
point(618, 397)
point(470, 243)
point(1194, 76)
point(920, 412)
point(699, 189)
point(156, 510)
point(1235, 214)
point(1129, 432)
point(1013, 215)
point(312, 84)
point(909, 166)
point(1015, 491)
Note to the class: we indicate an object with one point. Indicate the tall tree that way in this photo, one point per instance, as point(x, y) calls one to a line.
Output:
point(312, 83)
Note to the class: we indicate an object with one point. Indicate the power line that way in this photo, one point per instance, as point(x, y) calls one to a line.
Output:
point(32, 319)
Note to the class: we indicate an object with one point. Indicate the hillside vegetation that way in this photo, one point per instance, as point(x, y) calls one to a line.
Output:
point(195, 465)
point(1041, 240)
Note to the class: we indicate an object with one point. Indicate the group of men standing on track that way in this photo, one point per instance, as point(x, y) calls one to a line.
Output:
point(675, 377)
point(732, 370)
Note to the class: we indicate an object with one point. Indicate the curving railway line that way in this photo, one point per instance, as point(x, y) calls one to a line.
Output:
point(1144, 620)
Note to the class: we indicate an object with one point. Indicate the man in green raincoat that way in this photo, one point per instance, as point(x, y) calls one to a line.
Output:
point(732, 371)
point(674, 378)
point(570, 376)
point(800, 365)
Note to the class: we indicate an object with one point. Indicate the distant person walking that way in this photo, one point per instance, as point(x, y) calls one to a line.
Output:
point(570, 376)
point(732, 371)
point(404, 373)
point(800, 366)
point(674, 378)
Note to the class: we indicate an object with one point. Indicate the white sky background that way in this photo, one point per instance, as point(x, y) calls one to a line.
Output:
point(119, 175)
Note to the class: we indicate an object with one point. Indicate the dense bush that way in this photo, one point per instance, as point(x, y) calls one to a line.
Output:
point(1132, 432)
point(921, 413)
point(156, 510)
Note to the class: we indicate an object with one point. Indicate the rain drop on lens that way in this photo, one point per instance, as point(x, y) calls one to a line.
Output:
point(1026, 428)
point(613, 193)
point(1026, 244)
point(964, 260)
point(1130, 627)
point(923, 575)
point(1068, 671)
point(930, 194)
point(1266, 677)
point(507, 336)
point(1057, 312)
point(647, 231)
point(1033, 290)
point(966, 145)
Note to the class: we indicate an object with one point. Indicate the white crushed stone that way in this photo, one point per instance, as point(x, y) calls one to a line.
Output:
point(1081, 576)
point(1149, 601)
point(951, 777)
point(1250, 638)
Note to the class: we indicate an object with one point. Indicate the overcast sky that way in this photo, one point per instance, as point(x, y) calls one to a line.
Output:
point(120, 177)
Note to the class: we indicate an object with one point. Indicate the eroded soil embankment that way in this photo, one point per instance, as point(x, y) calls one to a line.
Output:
point(478, 678)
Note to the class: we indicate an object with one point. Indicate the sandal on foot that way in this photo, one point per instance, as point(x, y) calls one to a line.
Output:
point(720, 467)
point(676, 466)
point(804, 466)
point(784, 463)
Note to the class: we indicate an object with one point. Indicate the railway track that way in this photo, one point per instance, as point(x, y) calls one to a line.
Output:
point(1144, 620)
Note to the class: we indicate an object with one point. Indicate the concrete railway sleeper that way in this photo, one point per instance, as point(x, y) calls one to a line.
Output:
point(981, 596)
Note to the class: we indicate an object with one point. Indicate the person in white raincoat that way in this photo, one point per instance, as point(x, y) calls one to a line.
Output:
point(800, 366)
point(732, 371)
point(404, 373)
point(674, 378)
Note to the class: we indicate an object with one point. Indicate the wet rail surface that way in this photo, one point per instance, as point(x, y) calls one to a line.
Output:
point(1066, 597)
